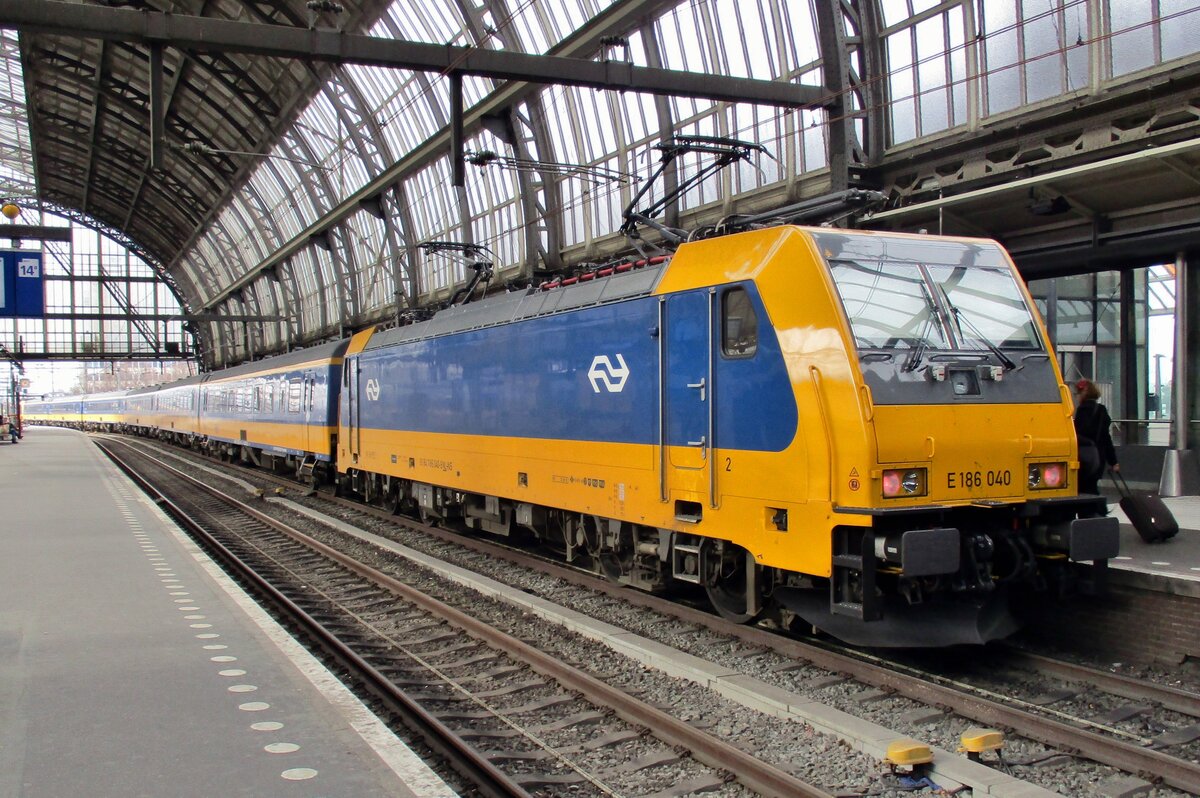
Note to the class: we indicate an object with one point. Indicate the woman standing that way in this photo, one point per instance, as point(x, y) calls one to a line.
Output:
point(1096, 448)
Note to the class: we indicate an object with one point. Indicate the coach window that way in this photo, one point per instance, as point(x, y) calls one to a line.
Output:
point(294, 390)
point(739, 324)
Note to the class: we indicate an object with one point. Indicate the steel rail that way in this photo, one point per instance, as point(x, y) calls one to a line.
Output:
point(753, 773)
point(1168, 697)
point(463, 758)
point(1178, 773)
point(750, 771)
point(1130, 758)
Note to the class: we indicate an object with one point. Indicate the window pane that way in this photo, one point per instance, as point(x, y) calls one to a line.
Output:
point(1132, 37)
point(1179, 21)
point(739, 324)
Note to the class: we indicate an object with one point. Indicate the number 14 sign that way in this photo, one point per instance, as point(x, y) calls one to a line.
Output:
point(21, 290)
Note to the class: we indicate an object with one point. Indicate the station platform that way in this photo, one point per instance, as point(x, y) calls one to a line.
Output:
point(130, 665)
point(1176, 560)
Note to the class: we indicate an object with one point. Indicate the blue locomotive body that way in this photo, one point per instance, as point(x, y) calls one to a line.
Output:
point(586, 375)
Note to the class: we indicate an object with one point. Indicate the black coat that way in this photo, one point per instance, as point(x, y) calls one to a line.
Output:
point(1092, 422)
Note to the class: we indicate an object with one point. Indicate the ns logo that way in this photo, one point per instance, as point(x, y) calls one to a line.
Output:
point(373, 390)
point(603, 372)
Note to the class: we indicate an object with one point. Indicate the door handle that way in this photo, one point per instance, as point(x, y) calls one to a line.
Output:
point(699, 385)
point(699, 442)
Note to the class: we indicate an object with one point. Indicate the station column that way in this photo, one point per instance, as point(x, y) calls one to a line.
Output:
point(1181, 468)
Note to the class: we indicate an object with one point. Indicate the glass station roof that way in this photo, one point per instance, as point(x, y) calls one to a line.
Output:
point(347, 167)
point(16, 152)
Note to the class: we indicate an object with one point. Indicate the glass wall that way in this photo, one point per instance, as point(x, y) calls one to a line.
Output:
point(1133, 368)
point(1013, 54)
point(100, 299)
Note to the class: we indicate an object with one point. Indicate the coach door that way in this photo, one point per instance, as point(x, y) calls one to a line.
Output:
point(306, 405)
point(686, 384)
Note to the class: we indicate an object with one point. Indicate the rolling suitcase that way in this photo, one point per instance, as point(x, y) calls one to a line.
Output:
point(1146, 511)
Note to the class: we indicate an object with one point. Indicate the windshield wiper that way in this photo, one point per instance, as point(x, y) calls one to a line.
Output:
point(961, 320)
point(913, 361)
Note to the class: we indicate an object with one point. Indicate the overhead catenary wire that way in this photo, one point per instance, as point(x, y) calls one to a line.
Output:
point(558, 94)
point(981, 74)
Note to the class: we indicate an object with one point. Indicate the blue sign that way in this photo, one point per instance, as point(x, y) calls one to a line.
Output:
point(21, 291)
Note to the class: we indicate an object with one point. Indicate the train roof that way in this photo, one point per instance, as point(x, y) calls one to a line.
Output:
point(526, 304)
point(98, 397)
point(871, 245)
point(330, 350)
point(50, 400)
point(167, 386)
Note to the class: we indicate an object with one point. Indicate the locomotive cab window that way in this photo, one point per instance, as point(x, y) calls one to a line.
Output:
point(739, 324)
point(929, 307)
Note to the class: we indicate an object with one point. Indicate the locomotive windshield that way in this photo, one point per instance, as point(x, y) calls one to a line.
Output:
point(927, 295)
point(905, 305)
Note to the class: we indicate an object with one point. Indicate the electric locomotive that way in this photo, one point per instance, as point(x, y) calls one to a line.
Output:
point(864, 432)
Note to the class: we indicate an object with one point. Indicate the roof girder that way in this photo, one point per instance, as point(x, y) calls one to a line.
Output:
point(619, 18)
point(279, 41)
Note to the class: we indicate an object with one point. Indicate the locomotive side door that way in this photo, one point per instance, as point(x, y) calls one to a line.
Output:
point(686, 384)
point(353, 398)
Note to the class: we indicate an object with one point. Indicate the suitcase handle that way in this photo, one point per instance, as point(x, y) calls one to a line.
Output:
point(1120, 482)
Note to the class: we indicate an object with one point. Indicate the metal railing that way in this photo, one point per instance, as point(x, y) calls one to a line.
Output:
point(1146, 431)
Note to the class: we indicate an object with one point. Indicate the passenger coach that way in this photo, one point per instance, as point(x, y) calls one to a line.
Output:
point(279, 412)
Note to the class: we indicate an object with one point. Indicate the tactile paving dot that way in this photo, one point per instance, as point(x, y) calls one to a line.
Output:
point(281, 748)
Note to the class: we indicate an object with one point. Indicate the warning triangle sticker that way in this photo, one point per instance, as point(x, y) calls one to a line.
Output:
point(853, 472)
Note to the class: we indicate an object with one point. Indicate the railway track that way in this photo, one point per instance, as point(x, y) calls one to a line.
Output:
point(509, 718)
point(1139, 690)
point(1102, 742)
point(1147, 713)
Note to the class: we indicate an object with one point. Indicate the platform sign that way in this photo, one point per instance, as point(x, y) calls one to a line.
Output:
point(21, 291)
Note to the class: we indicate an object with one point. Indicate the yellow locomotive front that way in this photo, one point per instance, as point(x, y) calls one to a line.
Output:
point(954, 468)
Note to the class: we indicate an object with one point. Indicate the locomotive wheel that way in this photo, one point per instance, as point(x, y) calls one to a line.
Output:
point(604, 562)
point(392, 498)
point(611, 567)
point(724, 568)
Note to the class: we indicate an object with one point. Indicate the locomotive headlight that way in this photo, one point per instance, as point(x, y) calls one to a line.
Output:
point(904, 482)
point(1047, 476)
